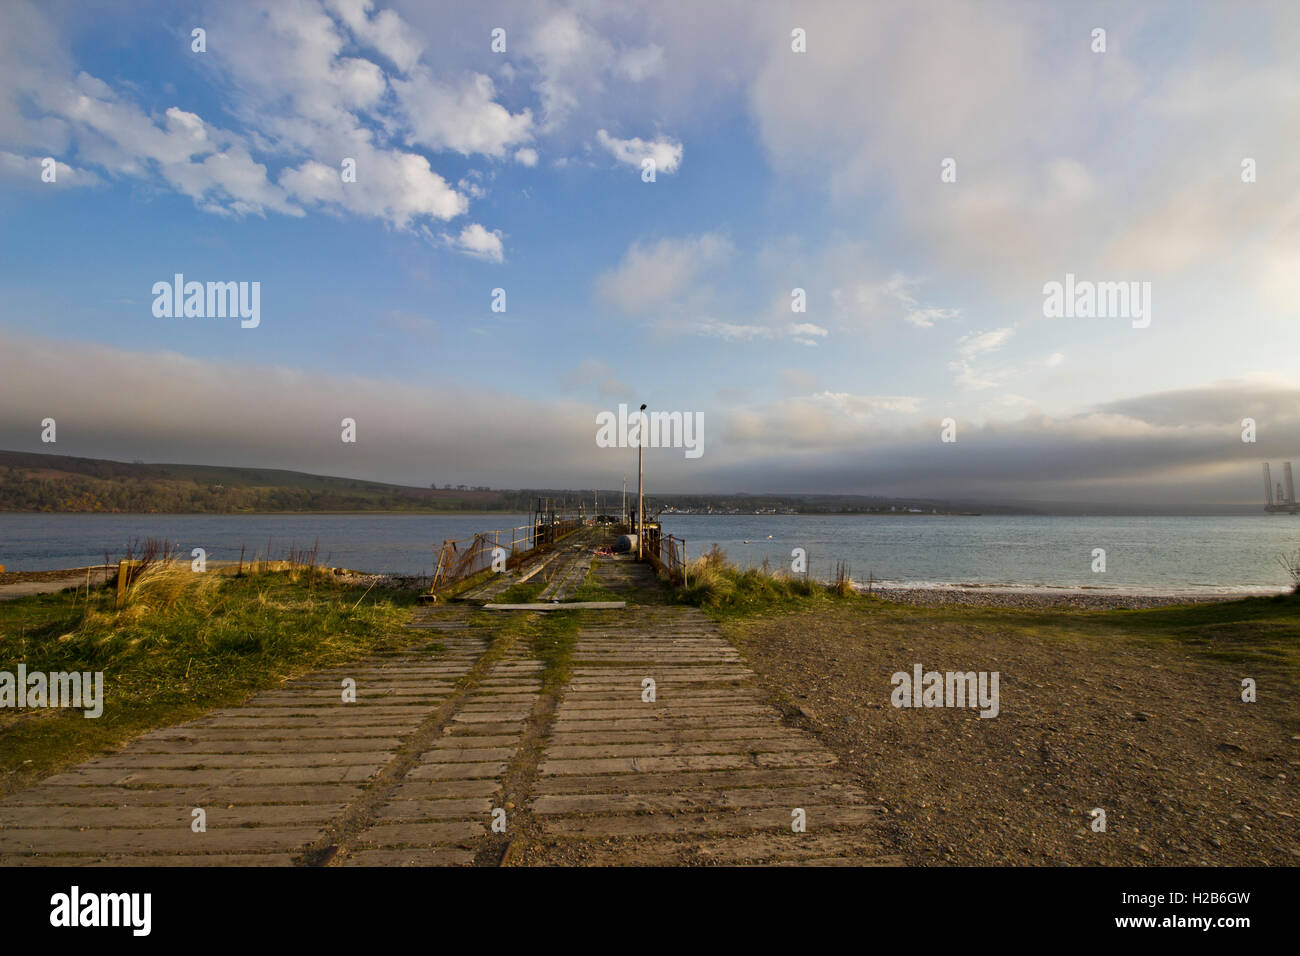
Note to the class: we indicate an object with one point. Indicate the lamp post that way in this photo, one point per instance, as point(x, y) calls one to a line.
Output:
point(640, 499)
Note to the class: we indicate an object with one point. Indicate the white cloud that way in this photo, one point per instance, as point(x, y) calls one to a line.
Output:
point(395, 186)
point(886, 299)
point(27, 170)
point(303, 103)
point(803, 333)
point(976, 342)
point(666, 154)
point(662, 271)
point(569, 57)
point(641, 63)
point(480, 243)
point(806, 333)
point(1027, 112)
point(526, 156)
point(925, 318)
point(729, 331)
point(465, 118)
point(385, 31)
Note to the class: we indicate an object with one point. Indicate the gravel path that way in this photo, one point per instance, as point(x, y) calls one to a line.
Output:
point(1153, 734)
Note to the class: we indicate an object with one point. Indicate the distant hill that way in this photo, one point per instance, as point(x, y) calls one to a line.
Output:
point(34, 482)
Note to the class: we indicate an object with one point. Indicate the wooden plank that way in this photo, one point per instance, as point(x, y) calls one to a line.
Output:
point(161, 839)
point(569, 606)
point(411, 856)
point(46, 795)
point(420, 834)
point(171, 815)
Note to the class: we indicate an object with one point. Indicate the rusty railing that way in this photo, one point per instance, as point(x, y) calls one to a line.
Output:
point(464, 557)
point(669, 558)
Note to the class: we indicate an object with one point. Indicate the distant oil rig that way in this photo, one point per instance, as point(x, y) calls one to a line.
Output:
point(1285, 503)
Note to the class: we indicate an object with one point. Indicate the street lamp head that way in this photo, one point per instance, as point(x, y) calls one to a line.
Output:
point(643, 406)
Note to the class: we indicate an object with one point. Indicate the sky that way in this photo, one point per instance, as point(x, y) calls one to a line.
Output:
point(921, 172)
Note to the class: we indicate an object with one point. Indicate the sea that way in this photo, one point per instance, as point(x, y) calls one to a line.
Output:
point(1158, 555)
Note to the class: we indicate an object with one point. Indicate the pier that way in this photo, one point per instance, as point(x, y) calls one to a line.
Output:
point(646, 740)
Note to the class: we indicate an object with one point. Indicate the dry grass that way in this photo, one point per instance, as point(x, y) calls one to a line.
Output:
point(181, 642)
point(716, 583)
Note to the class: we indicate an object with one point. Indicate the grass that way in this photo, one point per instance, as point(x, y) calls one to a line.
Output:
point(719, 587)
point(522, 593)
point(1252, 631)
point(553, 636)
point(181, 644)
point(592, 590)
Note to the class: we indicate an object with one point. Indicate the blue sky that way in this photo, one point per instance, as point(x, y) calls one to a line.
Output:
point(777, 170)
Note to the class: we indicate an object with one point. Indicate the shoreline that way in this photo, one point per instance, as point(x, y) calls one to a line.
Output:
point(921, 594)
point(1043, 596)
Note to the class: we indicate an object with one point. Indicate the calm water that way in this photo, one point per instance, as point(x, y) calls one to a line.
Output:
point(1165, 554)
point(405, 544)
point(1160, 554)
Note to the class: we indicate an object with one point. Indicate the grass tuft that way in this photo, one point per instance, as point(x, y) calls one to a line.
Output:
point(718, 585)
point(182, 643)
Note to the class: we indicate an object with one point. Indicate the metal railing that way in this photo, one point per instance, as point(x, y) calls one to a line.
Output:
point(669, 558)
point(464, 557)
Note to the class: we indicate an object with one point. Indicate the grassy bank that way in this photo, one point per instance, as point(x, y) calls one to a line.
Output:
point(182, 644)
point(725, 591)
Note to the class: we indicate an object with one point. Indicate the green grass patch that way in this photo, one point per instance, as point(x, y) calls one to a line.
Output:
point(182, 644)
point(725, 591)
point(523, 593)
point(553, 636)
point(592, 590)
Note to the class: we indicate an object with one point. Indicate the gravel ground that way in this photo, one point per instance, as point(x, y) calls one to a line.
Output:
point(20, 584)
point(97, 572)
point(1081, 600)
point(405, 581)
point(1159, 739)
